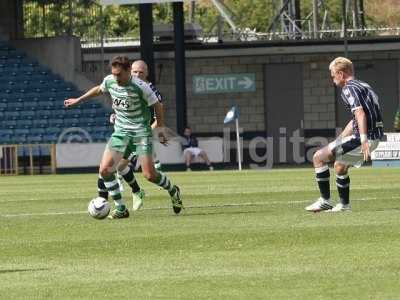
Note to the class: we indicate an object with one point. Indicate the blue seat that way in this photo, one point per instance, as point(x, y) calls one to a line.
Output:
point(27, 114)
point(102, 128)
point(45, 104)
point(6, 131)
point(48, 95)
point(44, 114)
point(41, 123)
point(72, 122)
point(89, 112)
point(102, 121)
point(53, 130)
point(34, 139)
point(15, 105)
point(50, 138)
point(97, 137)
point(37, 131)
point(55, 122)
point(11, 115)
point(31, 96)
point(20, 131)
point(18, 139)
point(74, 112)
point(10, 124)
point(87, 121)
point(25, 123)
point(30, 105)
point(5, 139)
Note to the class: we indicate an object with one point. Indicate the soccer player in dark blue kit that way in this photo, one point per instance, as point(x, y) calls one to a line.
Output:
point(354, 145)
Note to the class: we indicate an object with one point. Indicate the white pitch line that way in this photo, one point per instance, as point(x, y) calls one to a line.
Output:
point(192, 206)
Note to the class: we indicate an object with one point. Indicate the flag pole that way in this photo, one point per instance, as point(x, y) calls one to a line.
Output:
point(239, 154)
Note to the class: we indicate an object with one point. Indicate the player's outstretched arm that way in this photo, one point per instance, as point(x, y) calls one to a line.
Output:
point(93, 92)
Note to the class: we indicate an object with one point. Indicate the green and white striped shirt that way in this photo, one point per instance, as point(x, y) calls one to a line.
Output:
point(131, 105)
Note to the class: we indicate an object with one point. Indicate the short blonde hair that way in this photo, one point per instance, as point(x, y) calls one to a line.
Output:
point(342, 64)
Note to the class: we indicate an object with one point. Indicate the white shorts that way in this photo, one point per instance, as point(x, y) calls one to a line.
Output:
point(348, 150)
point(192, 150)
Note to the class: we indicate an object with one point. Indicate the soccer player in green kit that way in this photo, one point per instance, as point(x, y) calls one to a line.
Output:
point(131, 98)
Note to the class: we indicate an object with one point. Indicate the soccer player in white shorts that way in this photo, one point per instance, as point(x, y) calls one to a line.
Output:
point(354, 145)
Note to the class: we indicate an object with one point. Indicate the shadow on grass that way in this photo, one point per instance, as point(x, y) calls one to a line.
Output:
point(22, 270)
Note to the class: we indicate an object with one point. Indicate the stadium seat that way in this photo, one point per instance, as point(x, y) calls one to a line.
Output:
point(55, 122)
point(30, 105)
point(27, 114)
point(71, 122)
point(19, 139)
point(13, 115)
point(37, 131)
point(10, 124)
point(13, 106)
point(53, 130)
point(34, 138)
point(41, 123)
point(50, 138)
point(44, 114)
point(6, 131)
point(20, 131)
point(5, 139)
point(31, 98)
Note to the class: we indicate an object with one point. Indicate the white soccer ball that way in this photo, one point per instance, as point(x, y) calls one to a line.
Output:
point(99, 208)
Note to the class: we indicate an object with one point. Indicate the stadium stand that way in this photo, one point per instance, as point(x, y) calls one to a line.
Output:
point(31, 103)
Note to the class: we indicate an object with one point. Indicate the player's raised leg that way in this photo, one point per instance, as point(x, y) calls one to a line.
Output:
point(126, 171)
point(322, 175)
point(107, 171)
point(159, 178)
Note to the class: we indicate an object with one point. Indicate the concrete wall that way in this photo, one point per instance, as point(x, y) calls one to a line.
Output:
point(61, 54)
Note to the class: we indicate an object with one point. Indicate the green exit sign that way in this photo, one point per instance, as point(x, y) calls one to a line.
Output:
point(224, 83)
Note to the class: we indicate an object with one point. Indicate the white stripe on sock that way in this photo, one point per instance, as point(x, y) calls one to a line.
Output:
point(321, 169)
point(124, 171)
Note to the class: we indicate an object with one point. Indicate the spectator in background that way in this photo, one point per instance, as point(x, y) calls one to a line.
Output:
point(191, 149)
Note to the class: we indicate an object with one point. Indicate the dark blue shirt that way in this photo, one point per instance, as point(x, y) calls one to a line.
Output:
point(357, 93)
point(191, 141)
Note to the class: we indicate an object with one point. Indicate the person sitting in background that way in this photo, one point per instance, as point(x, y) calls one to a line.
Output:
point(191, 149)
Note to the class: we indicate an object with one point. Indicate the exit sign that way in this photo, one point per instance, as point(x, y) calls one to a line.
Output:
point(224, 83)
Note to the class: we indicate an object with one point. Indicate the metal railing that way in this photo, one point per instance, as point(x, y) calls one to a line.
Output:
point(80, 18)
point(28, 159)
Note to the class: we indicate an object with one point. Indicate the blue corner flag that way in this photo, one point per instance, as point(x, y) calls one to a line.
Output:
point(231, 115)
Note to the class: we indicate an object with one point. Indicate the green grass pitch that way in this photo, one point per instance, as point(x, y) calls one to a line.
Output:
point(243, 235)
